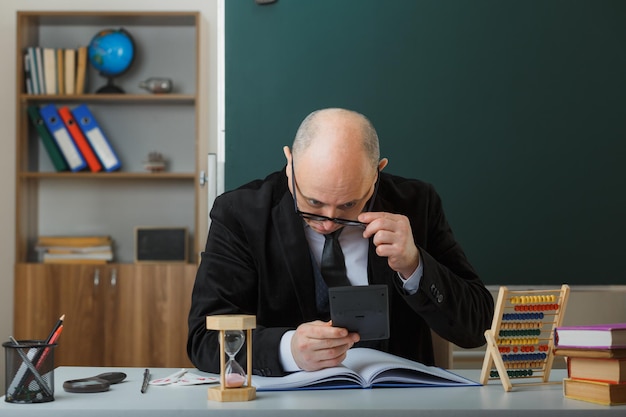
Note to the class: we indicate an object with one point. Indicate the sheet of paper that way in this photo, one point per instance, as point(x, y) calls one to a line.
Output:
point(184, 377)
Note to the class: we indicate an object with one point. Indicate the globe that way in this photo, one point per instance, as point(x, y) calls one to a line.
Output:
point(111, 52)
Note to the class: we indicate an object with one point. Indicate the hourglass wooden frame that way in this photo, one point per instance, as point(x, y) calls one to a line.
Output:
point(520, 342)
point(224, 323)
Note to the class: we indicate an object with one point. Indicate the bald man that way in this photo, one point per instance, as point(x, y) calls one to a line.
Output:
point(265, 244)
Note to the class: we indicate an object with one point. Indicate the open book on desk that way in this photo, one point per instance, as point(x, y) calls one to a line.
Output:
point(365, 368)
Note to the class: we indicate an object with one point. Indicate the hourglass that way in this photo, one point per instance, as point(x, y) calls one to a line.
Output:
point(235, 383)
point(235, 376)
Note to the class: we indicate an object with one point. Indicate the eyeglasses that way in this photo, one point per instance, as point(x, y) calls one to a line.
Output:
point(320, 218)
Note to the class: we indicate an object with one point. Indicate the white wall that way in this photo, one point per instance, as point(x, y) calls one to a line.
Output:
point(207, 103)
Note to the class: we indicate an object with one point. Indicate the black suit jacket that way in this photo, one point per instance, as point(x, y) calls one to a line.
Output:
point(257, 261)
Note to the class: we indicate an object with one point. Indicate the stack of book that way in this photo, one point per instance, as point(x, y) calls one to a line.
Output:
point(55, 71)
point(596, 362)
point(75, 249)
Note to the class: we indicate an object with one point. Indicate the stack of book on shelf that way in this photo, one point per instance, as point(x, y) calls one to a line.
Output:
point(73, 138)
point(55, 71)
point(75, 249)
point(596, 362)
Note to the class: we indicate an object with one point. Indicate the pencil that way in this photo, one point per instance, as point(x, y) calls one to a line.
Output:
point(46, 351)
point(40, 359)
point(58, 324)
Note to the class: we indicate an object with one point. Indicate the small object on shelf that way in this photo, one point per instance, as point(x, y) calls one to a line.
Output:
point(161, 244)
point(155, 162)
point(157, 85)
point(75, 249)
point(111, 52)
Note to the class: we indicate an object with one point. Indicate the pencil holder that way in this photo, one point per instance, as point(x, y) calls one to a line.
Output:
point(29, 371)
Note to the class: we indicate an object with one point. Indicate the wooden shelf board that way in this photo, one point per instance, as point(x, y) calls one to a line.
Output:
point(112, 98)
point(68, 18)
point(110, 175)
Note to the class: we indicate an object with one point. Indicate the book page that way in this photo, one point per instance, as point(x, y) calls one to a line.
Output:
point(376, 367)
point(364, 368)
point(337, 377)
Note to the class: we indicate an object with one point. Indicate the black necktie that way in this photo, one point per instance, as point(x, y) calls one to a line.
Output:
point(333, 265)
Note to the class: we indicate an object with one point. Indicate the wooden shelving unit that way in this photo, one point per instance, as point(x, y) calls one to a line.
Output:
point(86, 203)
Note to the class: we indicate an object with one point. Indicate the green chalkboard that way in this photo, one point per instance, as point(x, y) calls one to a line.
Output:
point(515, 111)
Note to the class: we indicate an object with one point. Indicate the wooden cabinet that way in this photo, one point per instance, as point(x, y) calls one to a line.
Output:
point(115, 315)
point(121, 314)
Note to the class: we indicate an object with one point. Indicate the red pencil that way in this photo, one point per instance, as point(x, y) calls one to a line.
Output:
point(42, 357)
point(46, 351)
point(55, 328)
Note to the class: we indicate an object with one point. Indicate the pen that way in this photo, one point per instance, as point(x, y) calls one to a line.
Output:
point(146, 379)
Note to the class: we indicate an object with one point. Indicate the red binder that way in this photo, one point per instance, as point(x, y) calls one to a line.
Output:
point(80, 140)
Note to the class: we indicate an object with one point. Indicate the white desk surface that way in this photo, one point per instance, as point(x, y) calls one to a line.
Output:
point(187, 401)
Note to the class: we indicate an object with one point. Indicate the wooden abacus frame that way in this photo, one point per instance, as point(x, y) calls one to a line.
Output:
point(521, 340)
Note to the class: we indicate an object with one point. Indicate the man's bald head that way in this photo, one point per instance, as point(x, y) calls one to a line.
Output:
point(335, 157)
point(337, 136)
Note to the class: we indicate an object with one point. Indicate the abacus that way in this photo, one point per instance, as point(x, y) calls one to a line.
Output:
point(521, 339)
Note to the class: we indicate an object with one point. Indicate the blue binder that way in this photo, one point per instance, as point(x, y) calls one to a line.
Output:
point(62, 137)
point(96, 138)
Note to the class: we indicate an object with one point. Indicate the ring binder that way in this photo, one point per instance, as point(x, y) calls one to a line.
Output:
point(59, 132)
point(96, 137)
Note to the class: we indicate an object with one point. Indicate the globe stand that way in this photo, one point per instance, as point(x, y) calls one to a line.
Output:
point(110, 88)
point(111, 52)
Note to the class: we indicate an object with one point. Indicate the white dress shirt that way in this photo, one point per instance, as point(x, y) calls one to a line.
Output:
point(355, 252)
